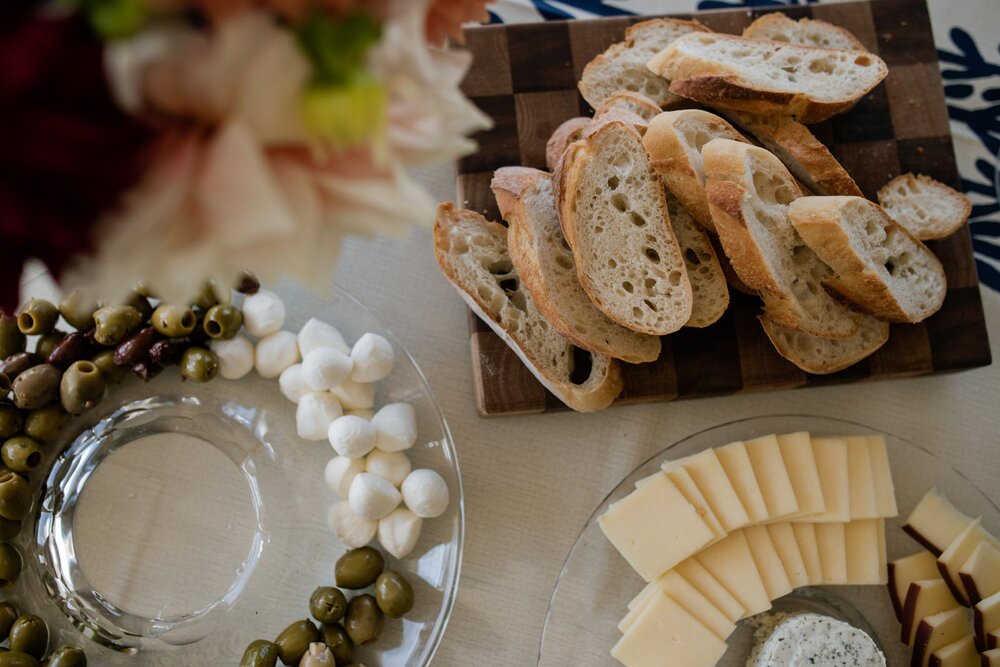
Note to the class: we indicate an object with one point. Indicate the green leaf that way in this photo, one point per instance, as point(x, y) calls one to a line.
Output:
point(346, 114)
point(337, 47)
point(115, 19)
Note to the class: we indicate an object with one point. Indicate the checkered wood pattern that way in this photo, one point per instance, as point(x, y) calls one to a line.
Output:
point(524, 77)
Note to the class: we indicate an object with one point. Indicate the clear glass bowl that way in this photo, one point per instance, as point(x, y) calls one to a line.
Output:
point(179, 521)
point(596, 584)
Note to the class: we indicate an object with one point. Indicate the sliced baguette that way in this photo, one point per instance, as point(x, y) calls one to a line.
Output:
point(708, 281)
point(880, 267)
point(927, 208)
point(749, 191)
point(822, 356)
point(623, 65)
point(674, 140)
point(547, 270)
point(473, 255)
point(637, 103)
point(613, 212)
point(804, 155)
point(808, 83)
point(805, 32)
point(568, 132)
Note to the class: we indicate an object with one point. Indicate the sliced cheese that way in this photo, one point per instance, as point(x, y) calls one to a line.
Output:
point(736, 463)
point(904, 571)
point(655, 527)
point(961, 653)
point(665, 634)
point(731, 562)
point(709, 586)
point(831, 462)
point(990, 658)
point(685, 483)
point(805, 537)
point(797, 451)
point(935, 523)
point(783, 537)
point(885, 489)
point(993, 639)
point(832, 544)
point(865, 558)
point(863, 501)
point(690, 599)
point(772, 477)
point(924, 598)
point(937, 631)
point(883, 554)
point(986, 618)
point(952, 559)
point(980, 573)
point(765, 557)
point(707, 472)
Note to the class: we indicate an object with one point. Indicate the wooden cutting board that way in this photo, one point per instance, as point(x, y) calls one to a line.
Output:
point(524, 77)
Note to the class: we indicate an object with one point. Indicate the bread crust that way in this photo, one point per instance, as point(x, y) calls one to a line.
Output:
point(850, 357)
point(637, 103)
point(567, 132)
point(761, 25)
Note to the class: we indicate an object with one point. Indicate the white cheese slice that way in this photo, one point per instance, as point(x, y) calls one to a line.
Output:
point(885, 489)
point(865, 558)
point(706, 583)
point(980, 574)
point(765, 557)
point(783, 537)
point(665, 634)
point(958, 552)
point(805, 537)
point(707, 472)
point(736, 462)
point(961, 653)
point(685, 483)
point(935, 522)
point(924, 598)
point(830, 539)
point(797, 451)
point(690, 599)
point(772, 477)
point(731, 562)
point(655, 527)
point(904, 571)
point(986, 618)
point(990, 658)
point(863, 501)
point(831, 462)
point(883, 552)
point(937, 631)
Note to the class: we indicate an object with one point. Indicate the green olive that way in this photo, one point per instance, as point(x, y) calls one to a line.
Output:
point(30, 635)
point(67, 656)
point(49, 342)
point(45, 424)
point(8, 614)
point(174, 321)
point(78, 308)
point(358, 568)
point(37, 387)
point(199, 364)
point(337, 640)
point(105, 362)
point(393, 594)
point(17, 659)
point(12, 340)
point(11, 421)
point(82, 387)
point(363, 620)
point(294, 641)
point(140, 303)
point(15, 496)
point(113, 323)
point(327, 604)
point(19, 362)
point(74, 347)
point(22, 454)
point(260, 653)
point(37, 317)
point(10, 565)
point(9, 529)
point(222, 321)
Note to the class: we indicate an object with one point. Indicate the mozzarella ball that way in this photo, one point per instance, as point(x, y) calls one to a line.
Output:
point(373, 358)
point(263, 313)
point(292, 384)
point(315, 334)
point(325, 368)
point(391, 466)
point(314, 414)
point(276, 352)
point(372, 497)
point(399, 531)
point(425, 492)
point(358, 412)
point(235, 357)
point(396, 424)
point(352, 436)
point(340, 472)
point(355, 395)
point(348, 527)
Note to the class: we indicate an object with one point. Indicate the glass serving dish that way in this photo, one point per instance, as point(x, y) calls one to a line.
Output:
point(595, 585)
point(177, 522)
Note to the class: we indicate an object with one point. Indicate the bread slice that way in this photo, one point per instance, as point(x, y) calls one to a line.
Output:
point(708, 281)
point(749, 192)
point(614, 215)
point(674, 140)
point(927, 208)
point(808, 83)
point(637, 103)
point(567, 132)
point(473, 255)
point(623, 65)
point(625, 116)
point(805, 32)
point(548, 272)
point(880, 267)
point(804, 155)
point(822, 356)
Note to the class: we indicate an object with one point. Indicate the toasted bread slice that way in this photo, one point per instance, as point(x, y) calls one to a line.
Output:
point(637, 103)
point(822, 356)
point(545, 264)
point(927, 208)
point(805, 32)
point(708, 281)
point(749, 191)
point(568, 132)
point(614, 215)
point(880, 267)
point(808, 83)
point(625, 116)
point(473, 255)
point(674, 140)
point(623, 65)
point(804, 155)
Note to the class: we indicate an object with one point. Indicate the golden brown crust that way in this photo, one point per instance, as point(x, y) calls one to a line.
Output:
point(637, 103)
point(559, 183)
point(567, 132)
point(725, 91)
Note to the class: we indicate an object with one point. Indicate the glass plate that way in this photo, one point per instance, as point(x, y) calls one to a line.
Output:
point(596, 584)
point(180, 552)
